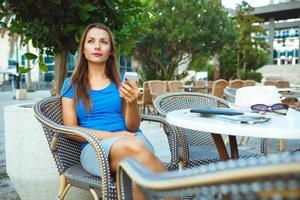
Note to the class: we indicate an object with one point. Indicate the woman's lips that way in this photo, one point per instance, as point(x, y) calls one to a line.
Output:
point(97, 54)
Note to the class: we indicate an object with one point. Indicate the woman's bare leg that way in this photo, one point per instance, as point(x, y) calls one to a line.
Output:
point(134, 147)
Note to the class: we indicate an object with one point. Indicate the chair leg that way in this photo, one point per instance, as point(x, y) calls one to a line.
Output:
point(63, 184)
point(281, 145)
point(247, 139)
point(242, 139)
point(93, 192)
point(65, 192)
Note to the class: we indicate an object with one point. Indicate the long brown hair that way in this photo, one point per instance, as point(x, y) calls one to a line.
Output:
point(80, 74)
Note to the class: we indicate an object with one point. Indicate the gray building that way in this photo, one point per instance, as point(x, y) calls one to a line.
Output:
point(282, 22)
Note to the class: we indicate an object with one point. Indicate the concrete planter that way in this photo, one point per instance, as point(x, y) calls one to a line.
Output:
point(29, 163)
point(21, 94)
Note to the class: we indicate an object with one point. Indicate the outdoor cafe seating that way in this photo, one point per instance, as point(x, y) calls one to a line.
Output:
point(191, 148)
point(66, 152)
point(251, 94)
point(196, 147)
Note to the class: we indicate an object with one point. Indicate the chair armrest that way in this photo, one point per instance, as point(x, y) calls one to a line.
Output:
point(159, 119)
point(170, 131)
point(242, 176)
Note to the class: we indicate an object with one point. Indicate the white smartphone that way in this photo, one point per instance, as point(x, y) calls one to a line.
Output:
point(132, 76)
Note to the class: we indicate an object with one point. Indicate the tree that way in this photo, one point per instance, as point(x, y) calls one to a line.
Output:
point(178, 32)
point(55, 26)
point(250, 44)
point(247, 51)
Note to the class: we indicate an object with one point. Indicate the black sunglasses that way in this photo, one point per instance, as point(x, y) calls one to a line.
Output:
point(278, 108)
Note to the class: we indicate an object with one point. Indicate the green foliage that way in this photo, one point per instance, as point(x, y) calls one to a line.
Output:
point(251, 75)
point(249, 44)
point(57, 25)
point(30, 56)
point(24, 70)
point(245, 52)
point(177, 32)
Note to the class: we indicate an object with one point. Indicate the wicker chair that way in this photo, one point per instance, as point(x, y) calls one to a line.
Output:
point(249, 83)
point(198, 148)
point(282, 84)
point(66, 152)
point(274, 177)
point(209, 86)
point(236, 84)
point(201, 84)
point(268, 82)
point(218, 88)
point(173, 86)
point(157, 88)
point(230, 94)
point(147, 99)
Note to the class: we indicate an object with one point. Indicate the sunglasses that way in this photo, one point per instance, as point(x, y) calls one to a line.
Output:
point(278, 108)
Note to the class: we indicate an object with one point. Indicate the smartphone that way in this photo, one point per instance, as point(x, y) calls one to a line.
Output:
point(132, 76)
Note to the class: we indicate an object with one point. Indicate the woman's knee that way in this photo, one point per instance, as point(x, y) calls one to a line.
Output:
point(135, 146)
point(130, 147)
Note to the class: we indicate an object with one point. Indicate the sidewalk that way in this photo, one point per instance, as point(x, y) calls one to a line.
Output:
point(7, 192)
point(152, 130)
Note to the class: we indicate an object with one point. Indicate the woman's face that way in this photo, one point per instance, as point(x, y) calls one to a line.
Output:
point(97, 46)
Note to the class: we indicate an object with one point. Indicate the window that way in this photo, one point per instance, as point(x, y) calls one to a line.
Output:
point(49, 59)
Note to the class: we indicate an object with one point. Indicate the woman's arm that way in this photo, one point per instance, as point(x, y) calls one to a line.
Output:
point(70, 119)
point(129, 92)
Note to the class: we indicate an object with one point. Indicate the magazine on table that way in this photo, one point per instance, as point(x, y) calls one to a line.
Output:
point(233, 115)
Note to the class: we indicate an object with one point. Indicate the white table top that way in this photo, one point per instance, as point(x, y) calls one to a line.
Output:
point(280, 126)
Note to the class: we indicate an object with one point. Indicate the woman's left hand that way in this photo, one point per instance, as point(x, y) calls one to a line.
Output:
point(129, 91)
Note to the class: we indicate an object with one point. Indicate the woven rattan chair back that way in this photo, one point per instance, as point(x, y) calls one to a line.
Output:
point(271, 83)
point(173, 86)
point(282, 84)
point(147, 99)
point(183, 100)
point(198, 148)
point(209, 86)
point(201, 84)
point(236, 84)
point(68, 151)
point(218, 88)
point(230, 94)
point(249, 83)
point(157, 88)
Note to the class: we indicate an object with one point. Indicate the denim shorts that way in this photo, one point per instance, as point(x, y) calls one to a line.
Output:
point(88, 157)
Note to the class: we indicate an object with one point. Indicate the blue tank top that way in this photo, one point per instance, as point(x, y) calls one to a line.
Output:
point(106, 112)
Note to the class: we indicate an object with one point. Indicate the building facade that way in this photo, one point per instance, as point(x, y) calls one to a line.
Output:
point(282, 22)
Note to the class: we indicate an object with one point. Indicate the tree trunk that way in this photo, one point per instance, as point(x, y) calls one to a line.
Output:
point(238, 66)
point(61, 59)
point(29, 81)
point(216, 67)
point(17, 67)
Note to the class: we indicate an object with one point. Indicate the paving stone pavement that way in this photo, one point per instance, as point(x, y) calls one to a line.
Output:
point(152, 130)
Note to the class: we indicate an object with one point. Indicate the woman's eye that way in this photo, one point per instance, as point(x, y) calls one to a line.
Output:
point(90, 41)
point(104, 42)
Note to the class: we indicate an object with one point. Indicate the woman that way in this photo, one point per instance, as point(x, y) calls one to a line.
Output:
point(94, 99)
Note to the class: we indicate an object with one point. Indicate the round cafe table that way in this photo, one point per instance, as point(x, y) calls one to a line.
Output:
point(279, 126)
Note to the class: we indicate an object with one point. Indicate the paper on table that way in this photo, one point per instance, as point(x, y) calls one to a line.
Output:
point(249, 118)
